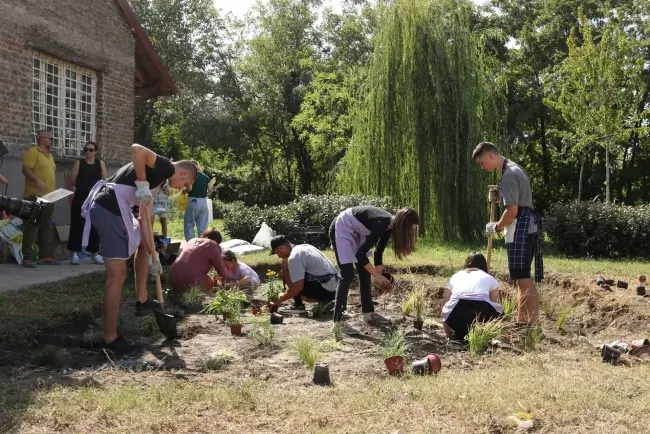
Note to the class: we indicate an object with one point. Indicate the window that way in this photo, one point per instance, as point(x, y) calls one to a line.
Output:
point(64, 101)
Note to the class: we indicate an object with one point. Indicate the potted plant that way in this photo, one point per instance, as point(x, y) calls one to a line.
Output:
point(235, 323)
point(225, 302)
point(415, 305)
point(393, 347)
point(273, 289)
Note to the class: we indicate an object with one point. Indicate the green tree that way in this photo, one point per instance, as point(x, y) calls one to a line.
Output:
point(430, 99)
point(598, 89)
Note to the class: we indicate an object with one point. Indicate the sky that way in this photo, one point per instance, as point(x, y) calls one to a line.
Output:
point(240, 7)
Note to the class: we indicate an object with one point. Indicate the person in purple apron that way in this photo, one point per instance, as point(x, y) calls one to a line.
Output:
point(352, 234)
point(522, 226)
point(471, 295)
point(109, 209)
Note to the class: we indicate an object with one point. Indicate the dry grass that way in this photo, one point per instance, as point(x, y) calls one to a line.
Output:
point(564, 396)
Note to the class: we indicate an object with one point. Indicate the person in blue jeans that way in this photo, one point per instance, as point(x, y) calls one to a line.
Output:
point(196, 213)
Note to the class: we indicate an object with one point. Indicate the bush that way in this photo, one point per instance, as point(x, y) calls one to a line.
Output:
point(221, 209)
point(598, 230)
point(310, 210)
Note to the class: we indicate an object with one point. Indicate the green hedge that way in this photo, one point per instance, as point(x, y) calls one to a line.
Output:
point(243, 222)
point(599, 230)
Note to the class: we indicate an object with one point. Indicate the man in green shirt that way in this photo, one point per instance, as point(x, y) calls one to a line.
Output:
point(197, 212)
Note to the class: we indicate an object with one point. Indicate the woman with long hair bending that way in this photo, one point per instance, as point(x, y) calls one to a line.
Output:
point(352, 234)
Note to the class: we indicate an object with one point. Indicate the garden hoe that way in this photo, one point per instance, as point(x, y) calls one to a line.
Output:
point(493, 196)
point(166, 323)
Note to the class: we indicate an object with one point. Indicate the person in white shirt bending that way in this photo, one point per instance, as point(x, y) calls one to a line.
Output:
point(471, 295)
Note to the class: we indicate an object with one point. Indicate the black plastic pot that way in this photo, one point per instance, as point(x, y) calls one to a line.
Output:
point(276, 318)
point(640, 290)
point(609, 353)
point(420, 367)
point(609, 282)
point(417, 324)
point(388, 277)
point(600, 280)
point(321, 374)
point(621, 284)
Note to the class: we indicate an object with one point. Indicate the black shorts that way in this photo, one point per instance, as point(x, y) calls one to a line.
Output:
point(315, 291)
point(465, 313)
point(525, 273)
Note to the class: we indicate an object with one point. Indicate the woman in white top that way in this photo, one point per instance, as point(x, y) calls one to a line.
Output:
point(471, 295)
point(238, 273)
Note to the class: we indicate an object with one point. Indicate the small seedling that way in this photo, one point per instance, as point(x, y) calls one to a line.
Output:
point(273, 288)
point(264, 334)
point(147, 325)
point(339, 331)
point(217, 361)
point(530, 337)
point(415, 304)
point(393, 343)
point(226, 301)
point(92, 337)
point(192, 300)
point(548, 305)
point(481, 334)
point(51, 356)
point(509, 304)
point(563, 318)
point(307, 350)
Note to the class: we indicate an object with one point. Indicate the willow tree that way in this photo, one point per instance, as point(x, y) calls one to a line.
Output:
point(430, 97)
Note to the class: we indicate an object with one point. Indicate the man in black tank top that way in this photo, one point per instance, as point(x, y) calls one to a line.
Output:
point(85, 173)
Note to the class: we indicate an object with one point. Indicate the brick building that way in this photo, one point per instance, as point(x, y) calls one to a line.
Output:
point(76, 67)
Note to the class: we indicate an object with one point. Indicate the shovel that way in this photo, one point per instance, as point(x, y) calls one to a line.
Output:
point(493, 205)
point(166, 323)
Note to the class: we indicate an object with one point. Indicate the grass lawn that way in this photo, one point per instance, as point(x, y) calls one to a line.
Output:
point(561, 382)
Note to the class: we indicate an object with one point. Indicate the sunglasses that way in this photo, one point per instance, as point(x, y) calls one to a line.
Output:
point(89, 150)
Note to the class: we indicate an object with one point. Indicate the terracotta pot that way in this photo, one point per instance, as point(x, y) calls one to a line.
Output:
point(235, 329)
point(435, 364)
point(641, 278)
point(256, 309)
point(276, 318)
point(394, 365)
point(418, 323)
point(640, 290)
point(321, 374)
point(420, 367)
point(639, 343)
point(621, 284)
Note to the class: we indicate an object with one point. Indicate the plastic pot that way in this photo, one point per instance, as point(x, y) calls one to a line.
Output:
point(420, 367)
point(394, 365)
point(276, 318)
point(621, 284)
point(609, 353)
point(418, 323)
point(435, 364)
point(388, 277)
point(235, 329)
point(321, 374)
point(609, 282)
point(640, 290)
point(600, 280)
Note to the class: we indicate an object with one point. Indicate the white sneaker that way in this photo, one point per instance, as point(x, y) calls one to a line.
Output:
point(374, 318)
point(74, 260)
point(97, 259)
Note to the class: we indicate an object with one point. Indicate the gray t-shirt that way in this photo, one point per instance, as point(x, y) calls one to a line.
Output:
point(306, 258)
point(515, 189)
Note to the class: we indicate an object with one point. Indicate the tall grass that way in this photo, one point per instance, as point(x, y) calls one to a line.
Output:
point(481, 334)
point(307, 350)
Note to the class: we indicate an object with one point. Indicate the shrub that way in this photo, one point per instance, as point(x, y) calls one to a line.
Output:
point(310, 210)
point(598, 230)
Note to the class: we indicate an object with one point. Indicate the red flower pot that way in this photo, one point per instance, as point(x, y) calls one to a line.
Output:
point(394, 365)
point(235, 330)
point(435, 365)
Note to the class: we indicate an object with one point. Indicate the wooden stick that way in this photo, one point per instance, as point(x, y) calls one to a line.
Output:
point(493, 206)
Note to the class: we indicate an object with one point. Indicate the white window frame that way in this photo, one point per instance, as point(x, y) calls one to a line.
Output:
point(64, 100)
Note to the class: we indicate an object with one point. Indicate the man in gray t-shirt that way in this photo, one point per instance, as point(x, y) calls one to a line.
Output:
point(519, 222)
point(309, 274)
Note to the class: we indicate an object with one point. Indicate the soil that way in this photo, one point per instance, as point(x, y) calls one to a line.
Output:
point(597, 316)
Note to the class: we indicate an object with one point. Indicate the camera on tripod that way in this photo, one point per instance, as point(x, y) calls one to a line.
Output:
point(34, 212)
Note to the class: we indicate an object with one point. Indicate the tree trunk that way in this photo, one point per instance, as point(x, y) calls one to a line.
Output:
point(608, 197)
point(582, 171)
point(546, 170)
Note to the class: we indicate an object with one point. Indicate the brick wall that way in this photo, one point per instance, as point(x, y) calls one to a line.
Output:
point(91, 33)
